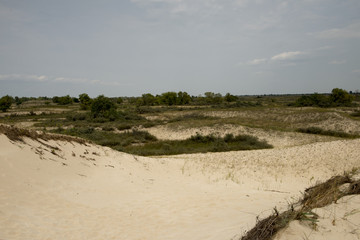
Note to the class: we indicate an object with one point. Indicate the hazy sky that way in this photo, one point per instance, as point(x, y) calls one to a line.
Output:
point(130, 47)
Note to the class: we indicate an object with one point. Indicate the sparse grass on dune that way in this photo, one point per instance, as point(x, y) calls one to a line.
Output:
point(108, 138)
point(317, 196)
point(18, 134)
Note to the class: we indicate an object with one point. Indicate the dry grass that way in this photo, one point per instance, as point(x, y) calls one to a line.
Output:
point(317, 196)
point(18, 134)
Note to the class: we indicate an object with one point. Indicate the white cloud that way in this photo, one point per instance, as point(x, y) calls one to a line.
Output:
point(336, 62)
point(257, 61)
point(350, 31)
point(287, 56)
point(23, 77)
point(356, 71)
point(43, 78)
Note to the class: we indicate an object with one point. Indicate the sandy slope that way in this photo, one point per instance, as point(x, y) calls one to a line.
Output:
point(62, 190)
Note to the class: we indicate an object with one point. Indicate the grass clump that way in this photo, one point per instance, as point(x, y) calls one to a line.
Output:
point(317, 196)
point(18, 134)
point(320, 131)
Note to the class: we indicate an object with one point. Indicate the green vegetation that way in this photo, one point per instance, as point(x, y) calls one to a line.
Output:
point(85, 101)
point(5, 103)
point(142, 143)
point(108, 121)
point(103, 108)
point(355, 114)
point(198, 144)
point(65, 100)
point(109, 139)
point(320, 131)
point(338, 97)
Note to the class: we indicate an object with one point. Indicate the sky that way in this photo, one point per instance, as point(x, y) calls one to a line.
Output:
point(131, 47)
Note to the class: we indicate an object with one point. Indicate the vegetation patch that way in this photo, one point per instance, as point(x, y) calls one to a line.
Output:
point(318, 196)
point(198, 144)
point(320, 131)
point(355, 114)
point(109, 139)
point(18, 134)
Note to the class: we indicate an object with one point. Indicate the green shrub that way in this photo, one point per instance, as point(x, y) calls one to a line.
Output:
point(5, 103)
point(65, 100)
point(103, 107)
point(340, 97)
point(85, 101)
point(124, 127)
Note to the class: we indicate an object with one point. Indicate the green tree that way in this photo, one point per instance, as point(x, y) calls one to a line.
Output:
point(103, 107)
point(64, 100)
point(5, 103)
point(85, 101)
point(340, 97)
point(147, 99)
point(183, 98)
point(212, 98)
point(169, 98)
point(230, 98)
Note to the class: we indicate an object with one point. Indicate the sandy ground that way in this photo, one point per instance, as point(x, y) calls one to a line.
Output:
point(61, 190)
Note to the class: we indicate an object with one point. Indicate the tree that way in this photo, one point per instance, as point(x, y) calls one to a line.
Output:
point(212, 98)
point(340, 97)
point(147, 99)
point(85, 101)
point(230, 98)
point(103, 107)
point(5, 103)
point(169, 98)
point(65, 100)
point(183, 98)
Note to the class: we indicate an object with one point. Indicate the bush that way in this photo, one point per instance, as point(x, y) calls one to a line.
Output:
point(230, 98)
point(65, 100)
point(85, 101)
point(103, 107)
point(168, 98)
point(340, 97)
point(5, 103)
point(124, 127)
point(313, 100)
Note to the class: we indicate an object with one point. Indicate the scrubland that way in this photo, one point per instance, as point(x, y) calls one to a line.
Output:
point(216, 171)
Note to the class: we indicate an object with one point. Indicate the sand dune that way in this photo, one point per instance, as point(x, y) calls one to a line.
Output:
point(67, 190)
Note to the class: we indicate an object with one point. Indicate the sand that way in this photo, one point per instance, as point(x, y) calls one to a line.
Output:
point(62, 190)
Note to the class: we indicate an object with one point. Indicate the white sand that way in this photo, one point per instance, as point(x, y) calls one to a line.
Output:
point(91, 192)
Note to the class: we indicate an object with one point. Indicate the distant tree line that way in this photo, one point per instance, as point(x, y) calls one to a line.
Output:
point(105, 107)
